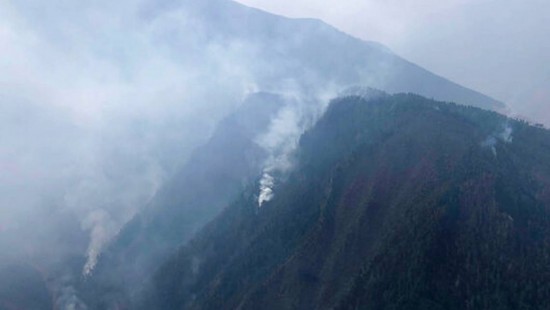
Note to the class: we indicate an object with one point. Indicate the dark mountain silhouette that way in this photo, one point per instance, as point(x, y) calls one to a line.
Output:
point(396, 202)
point(305, 52)
point(279, 54)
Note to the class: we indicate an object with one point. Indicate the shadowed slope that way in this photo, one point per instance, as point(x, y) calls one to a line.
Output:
point(398, 202)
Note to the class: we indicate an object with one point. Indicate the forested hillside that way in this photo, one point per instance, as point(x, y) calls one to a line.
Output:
point(397, 202)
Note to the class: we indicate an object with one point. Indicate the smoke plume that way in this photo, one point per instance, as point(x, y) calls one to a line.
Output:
point(281, 139)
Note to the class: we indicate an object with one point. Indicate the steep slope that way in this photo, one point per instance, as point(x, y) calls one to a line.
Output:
point(214, 175)
point(398, 202)
point(295, 57)
point(278, 52)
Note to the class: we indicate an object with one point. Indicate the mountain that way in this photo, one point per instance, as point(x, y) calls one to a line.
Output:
point(302, 56)
point(279, 53)
point(303, 59)
point(406, 169)
point(395, 202)
point(214, 176)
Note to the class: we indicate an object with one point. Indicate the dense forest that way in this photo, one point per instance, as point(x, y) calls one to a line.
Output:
point(244, 154)
point(396, 202)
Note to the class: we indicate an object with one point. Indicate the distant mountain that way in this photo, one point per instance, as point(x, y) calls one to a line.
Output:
point(278, 52)
point(285, 58)
point(303, 55)
point(214, 176)
point(396, 202)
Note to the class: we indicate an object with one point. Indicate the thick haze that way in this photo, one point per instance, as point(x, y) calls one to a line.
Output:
point(102, 101)
point(97, 109)
point(500, 48)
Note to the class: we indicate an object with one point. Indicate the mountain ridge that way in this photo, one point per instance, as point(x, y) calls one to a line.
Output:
point(316, 54)
point(398, 201)
point(285, 56)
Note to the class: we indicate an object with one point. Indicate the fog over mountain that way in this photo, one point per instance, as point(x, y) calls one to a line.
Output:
point(494, 46)
point(127, 126)
point(109, 98)
point(395, 202)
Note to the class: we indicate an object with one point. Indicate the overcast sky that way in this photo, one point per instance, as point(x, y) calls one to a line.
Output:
point(501, 48)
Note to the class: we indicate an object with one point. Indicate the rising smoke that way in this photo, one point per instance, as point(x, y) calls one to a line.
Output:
point(266, 188)
point(102, 102)
point(504, 135)
point(281, 139)
point(97, 111)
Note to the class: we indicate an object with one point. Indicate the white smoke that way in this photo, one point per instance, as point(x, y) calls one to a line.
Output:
point(107, 194)
point(283, 134)
point(69, 300)
point(96, 112)
point(280, 141)
point(102, 228)
point(65, 295)
point(266, 188)
point(490, 142)
point(505, 136)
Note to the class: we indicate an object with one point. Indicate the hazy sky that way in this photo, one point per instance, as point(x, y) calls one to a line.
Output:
point(500, 48)
point(101, 100)
point(95, 111)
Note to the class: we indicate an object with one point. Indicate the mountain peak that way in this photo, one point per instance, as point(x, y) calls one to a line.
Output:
point(394, 203)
